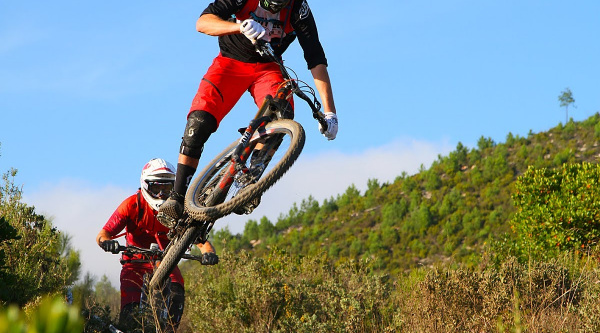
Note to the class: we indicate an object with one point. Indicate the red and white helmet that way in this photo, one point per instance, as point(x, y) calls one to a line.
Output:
point(158, 177)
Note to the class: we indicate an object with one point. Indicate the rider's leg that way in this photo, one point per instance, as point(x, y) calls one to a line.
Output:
point(131, 291)
point(221, 87)
point(177, 303)
point(267, 80)
point(128, 320)
point(200, 125)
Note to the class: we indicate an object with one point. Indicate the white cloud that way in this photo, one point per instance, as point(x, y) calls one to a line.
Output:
point(81, 209)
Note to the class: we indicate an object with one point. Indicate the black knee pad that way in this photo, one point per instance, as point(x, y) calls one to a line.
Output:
point(200, 125)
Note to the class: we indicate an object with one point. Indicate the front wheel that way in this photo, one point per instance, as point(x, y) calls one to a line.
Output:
point(173, 254)
point(282, 140)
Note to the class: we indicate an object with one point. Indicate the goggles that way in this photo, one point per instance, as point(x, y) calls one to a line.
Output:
point(159, 189)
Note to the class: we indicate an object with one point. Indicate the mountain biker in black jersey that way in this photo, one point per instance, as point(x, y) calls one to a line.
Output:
point(239, 68)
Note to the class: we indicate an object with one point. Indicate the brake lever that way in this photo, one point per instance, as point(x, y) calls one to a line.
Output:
point(320, 117)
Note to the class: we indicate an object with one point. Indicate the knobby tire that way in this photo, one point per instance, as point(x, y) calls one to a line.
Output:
point(176, 249)
point(198, 211)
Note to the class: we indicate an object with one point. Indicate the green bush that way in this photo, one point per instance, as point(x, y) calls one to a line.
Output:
point(558, 210)
point(52, 315)
point(39, 257)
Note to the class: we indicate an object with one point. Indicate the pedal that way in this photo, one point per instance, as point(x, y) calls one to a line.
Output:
point(166, 220)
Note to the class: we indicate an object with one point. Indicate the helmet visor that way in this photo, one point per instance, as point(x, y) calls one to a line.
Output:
point(159, 189)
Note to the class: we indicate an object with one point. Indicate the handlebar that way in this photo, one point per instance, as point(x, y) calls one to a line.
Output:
point(153, 252)
point(140, 250)
point(265, 49)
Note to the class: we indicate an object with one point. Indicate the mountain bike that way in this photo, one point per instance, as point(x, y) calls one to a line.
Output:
point(236, 178)
point(153, 309)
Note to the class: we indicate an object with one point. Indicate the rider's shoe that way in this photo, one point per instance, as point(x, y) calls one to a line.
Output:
point(171, 210)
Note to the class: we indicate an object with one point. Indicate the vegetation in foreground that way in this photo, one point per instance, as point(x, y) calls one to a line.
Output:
point(284, 293)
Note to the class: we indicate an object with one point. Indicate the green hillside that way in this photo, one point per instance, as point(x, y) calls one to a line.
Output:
point(454, 209)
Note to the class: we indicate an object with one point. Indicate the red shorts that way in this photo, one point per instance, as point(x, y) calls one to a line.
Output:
point(132, 279)
point(226, 81)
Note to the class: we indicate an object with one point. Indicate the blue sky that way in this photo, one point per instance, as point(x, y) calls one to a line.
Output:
point(90, 91)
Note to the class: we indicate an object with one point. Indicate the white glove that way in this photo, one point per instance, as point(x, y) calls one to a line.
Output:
point(252, 30)
point(332, 126)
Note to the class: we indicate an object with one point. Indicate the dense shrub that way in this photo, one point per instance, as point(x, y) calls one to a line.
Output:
point(559, 295)
point(558, 210)
point(39, 260)
point(52, 315)
point(283, 293)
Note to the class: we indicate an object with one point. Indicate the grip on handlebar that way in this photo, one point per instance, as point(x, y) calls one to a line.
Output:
point(322, 121)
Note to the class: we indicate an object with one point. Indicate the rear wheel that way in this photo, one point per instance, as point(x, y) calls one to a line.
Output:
point(205, 201)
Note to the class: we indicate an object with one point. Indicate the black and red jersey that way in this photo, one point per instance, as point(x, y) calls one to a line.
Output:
point(138, 219)
point(294, 21)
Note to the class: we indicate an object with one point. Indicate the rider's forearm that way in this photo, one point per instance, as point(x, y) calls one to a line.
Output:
point(103, 235)
point(213, 25)
point(323, 85)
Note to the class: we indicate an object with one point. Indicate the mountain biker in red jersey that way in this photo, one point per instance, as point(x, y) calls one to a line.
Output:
point(137, 215)
point(239, 68)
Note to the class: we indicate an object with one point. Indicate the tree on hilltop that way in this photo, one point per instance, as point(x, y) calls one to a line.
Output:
point(566, 99)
